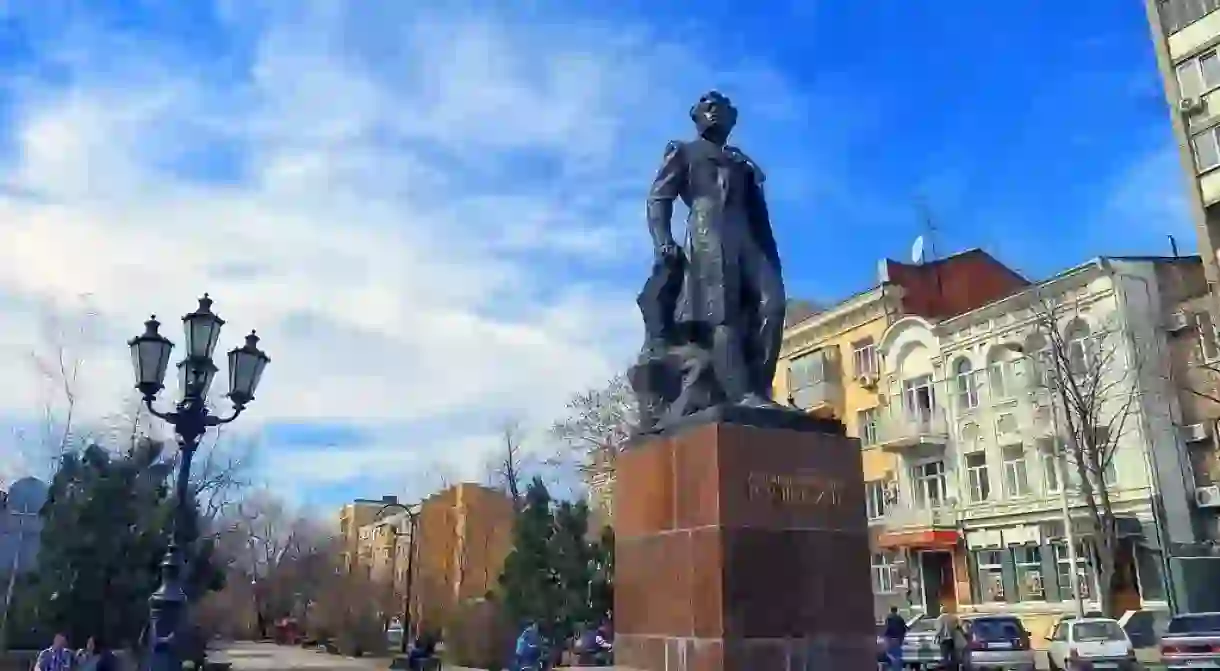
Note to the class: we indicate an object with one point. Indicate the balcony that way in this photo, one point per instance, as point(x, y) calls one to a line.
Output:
point(914, 527)
point(819, 398)
point(903, 428)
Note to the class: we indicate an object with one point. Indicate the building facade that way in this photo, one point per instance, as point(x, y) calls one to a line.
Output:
point(831, 364)
point(976, 521)
point(1186, 34)
point(465, 534)
point(353, 517)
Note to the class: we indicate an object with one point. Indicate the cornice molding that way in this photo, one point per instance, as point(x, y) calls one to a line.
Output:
point(842, 318)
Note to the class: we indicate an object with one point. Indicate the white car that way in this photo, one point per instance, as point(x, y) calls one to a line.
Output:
point(1091, 643)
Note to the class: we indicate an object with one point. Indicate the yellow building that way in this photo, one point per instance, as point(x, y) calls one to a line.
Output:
point(352, 517)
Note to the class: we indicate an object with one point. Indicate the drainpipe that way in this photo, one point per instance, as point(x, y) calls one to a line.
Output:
point(1150, 461)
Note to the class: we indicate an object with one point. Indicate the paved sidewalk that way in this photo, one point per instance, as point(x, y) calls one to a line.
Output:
point(245, 656)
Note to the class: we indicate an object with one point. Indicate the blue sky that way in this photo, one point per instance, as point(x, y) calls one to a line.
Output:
point(434, 215)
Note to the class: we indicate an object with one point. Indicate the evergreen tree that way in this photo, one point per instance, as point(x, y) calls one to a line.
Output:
point(601, 592)
point(571, 559)
point(107, 523)
point(528, 583)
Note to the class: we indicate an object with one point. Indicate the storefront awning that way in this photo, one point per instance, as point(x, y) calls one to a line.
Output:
point(941, 538)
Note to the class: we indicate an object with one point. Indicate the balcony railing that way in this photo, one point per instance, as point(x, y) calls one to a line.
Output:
point(913, 518)
point(904, 428)
point(823, 394)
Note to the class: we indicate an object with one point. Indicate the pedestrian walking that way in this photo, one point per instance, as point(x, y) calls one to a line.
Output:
point(55, 658)
point(895, 632)
point(951, 639)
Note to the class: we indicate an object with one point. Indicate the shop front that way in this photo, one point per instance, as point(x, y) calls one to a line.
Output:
point(928, 569)
point(1027, 569)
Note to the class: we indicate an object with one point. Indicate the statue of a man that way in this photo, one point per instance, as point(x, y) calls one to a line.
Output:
point(732, 292)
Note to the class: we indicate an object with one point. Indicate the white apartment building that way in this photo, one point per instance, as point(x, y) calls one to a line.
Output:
point(973, 519)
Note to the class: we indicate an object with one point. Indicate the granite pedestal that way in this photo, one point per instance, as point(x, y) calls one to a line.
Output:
point(741, 544)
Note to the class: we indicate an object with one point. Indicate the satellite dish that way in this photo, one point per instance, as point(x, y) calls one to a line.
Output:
point(917, 250)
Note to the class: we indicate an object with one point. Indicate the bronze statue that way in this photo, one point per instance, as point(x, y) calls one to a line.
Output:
point(714, 309)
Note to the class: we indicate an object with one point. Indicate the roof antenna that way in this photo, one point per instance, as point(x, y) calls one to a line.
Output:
point(1173, 246)
point(929, 224)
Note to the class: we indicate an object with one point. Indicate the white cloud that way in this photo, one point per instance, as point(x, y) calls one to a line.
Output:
point(418, 213)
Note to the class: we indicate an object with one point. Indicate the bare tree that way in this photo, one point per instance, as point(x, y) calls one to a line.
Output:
point(506, 466)
point(598, 423)
point(1090, 379)
point(273, 550)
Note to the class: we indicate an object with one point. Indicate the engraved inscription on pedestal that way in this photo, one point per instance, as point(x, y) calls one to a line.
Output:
point(799, 489)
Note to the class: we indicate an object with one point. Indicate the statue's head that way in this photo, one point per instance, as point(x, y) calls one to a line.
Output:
point(714, 116)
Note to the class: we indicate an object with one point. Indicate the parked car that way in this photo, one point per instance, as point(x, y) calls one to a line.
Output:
point(919, 648)
point(1192, 641)
point(997, 643)
point(1094, 643)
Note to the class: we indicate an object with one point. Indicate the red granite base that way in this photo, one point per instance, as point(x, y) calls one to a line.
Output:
point(739, 547)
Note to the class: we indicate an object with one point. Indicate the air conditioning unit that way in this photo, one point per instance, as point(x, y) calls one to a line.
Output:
point(1191, 106)
point(1208, 497)
point(1193, 433)
point(1177, 321)
point(867, 380)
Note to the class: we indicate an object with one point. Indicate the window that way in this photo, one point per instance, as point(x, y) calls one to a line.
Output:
point(967, 390)
point(998, 375)
point(1016, 477)
point(866, 421)
point(1079, 347)
point(883, 574)
point(1028, 561)
point(1064, 565)
point(976, 474)
point(864, 358)
point(917, 397)
point(874, 498)
point(1208, 348)
point(1199, 75)
point(1049, 462)
point(929, 481)
point(1207, 154)
point(806, 370)
point(991, 574)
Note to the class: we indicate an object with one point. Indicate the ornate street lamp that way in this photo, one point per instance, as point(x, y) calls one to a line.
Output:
point(190, 419)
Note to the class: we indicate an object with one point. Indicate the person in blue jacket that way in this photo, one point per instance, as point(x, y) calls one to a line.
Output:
point(529, 647)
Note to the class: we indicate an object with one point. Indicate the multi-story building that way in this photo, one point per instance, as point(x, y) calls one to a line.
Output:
point(977, 523)
point(1186, 34)
point(352, 518)
point(830, 363)
point(465, 533)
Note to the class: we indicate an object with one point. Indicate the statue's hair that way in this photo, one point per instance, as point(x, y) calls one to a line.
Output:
point(710, 96)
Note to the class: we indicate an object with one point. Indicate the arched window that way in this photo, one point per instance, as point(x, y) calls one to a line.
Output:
point(1002, 373)
point(1038, 362)
point(1079, 345)
point(967, 390)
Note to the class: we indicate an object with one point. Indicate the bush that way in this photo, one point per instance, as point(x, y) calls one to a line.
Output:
point(361, 635)
point(479, 635)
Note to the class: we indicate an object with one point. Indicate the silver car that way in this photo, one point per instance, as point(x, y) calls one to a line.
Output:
point(997, 643)
point(1192, 641)
point(919, 648)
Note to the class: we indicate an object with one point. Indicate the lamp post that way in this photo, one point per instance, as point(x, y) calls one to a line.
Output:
point(412, 533)
point(190, 419)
